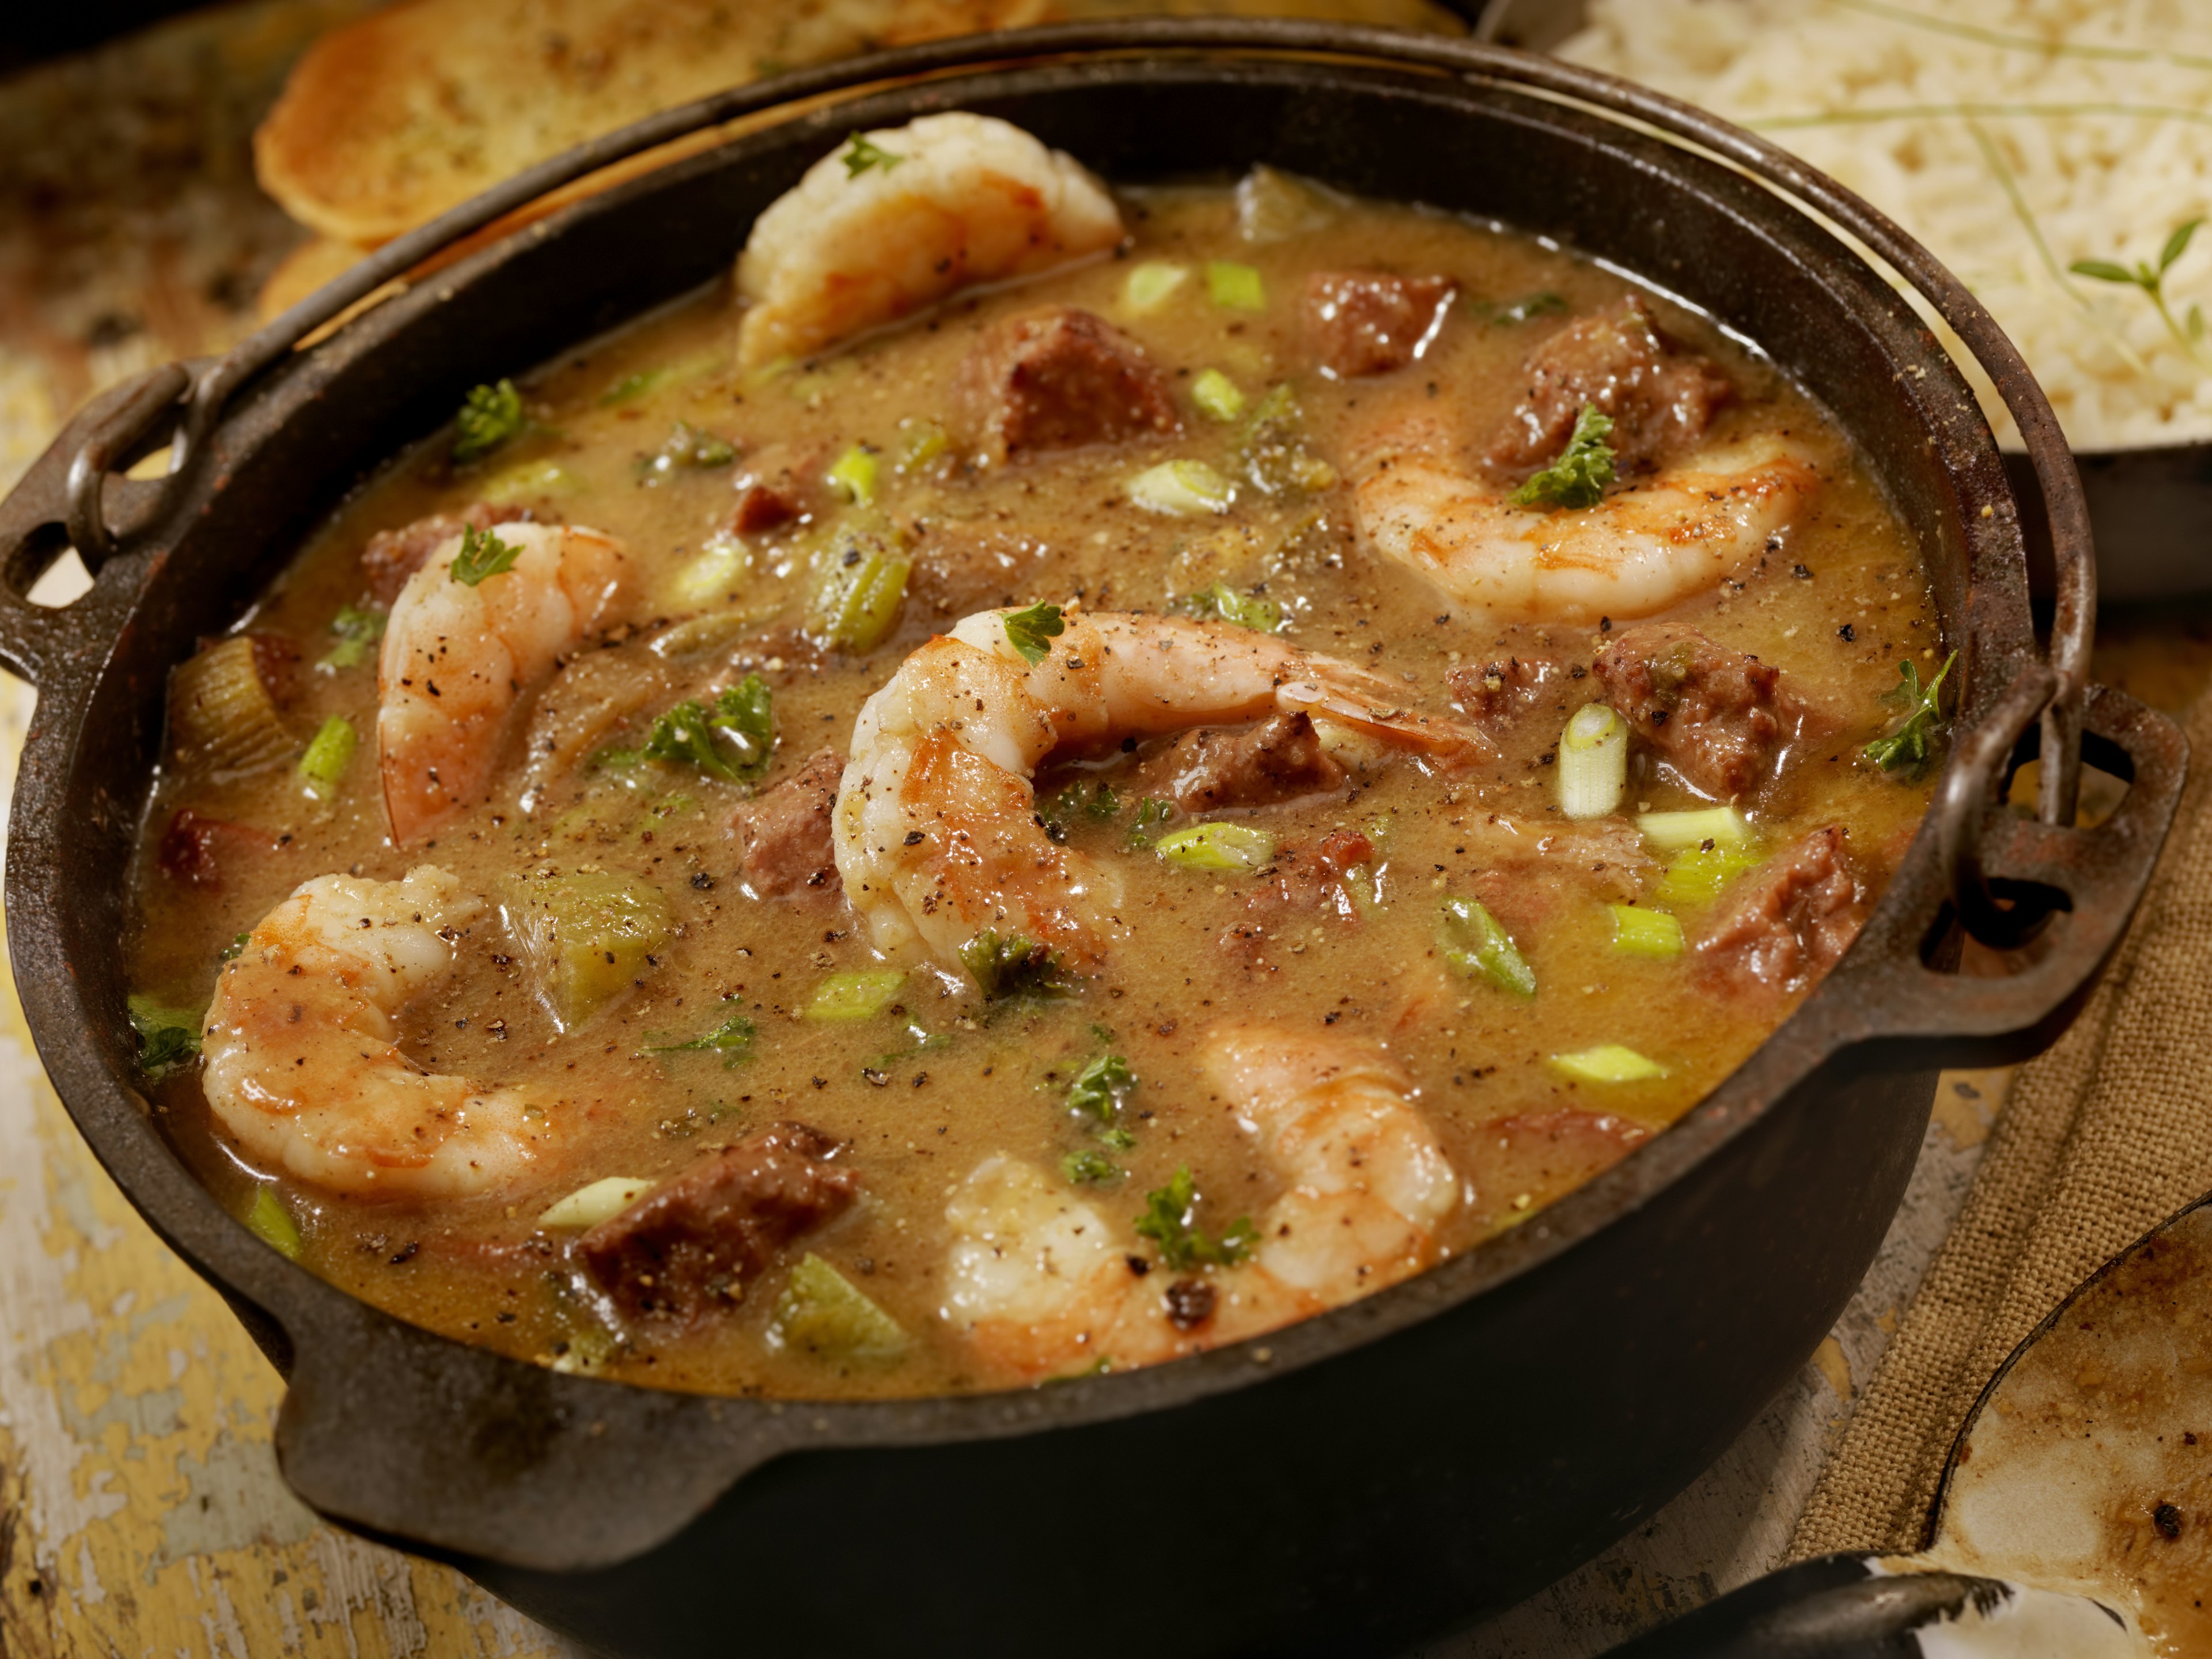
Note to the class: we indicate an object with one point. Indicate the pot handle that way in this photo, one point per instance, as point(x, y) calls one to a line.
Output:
point(2052, 901)
point(73, 497)
point(1854, 1607)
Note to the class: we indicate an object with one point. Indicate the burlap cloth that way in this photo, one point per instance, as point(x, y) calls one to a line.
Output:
point(2101, 1140)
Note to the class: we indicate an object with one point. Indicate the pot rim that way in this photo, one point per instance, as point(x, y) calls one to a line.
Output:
point(1839, 1014)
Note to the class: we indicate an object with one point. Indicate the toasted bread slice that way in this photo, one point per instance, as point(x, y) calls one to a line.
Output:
point(391, 120)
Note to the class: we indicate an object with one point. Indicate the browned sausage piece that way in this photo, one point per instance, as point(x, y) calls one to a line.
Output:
point(392, 556)
point(1055, 378)
point(1214, 768)
point(1720, 719)
point(196, 850)
point(1370, 322)
point(1660, 399)
point(1302, 883)
point(775, 487)
point(690, 1245)
point(1495, 695)
point(785, 832)
point(1792, 918)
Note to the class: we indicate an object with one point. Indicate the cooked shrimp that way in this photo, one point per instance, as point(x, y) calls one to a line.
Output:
point(936, 829)
point(1648, 545)
point(1042, 1283)
point(954, 199)
point(300, 1062)
point(456, 658)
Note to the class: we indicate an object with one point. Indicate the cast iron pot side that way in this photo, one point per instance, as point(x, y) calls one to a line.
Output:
point(1370, 1476)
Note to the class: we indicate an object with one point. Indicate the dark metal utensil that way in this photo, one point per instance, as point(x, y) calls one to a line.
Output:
point(2083, 1474)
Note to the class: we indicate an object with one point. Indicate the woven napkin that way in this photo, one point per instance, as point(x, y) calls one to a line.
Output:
point(2102, 1138)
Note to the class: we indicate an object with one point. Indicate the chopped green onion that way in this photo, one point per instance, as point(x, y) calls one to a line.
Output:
point(842, 998)
point(1696, 875)
point(589, 1204)
point(1235, 286)
point(1723, 826)
point(1183, 490)
point(633, 385)
point(854, 475)
point(1638, 932)
point(167, 1037)
point(1273, 449)
point(1273, 206)
point(268, 1220)
point(924, 442)
point(357, 631)
point(711, 576)
point(1217, 395)
point(324, 766)
point(530, 481)
point(1243, 609)
point(687, 446)
point(824, 1312)
point(1151, 285)
point(1593, 761)
point(857, 600)
point(733, 1039)
point(1477, 947)
point(1216, 846)
point(1610, 1062)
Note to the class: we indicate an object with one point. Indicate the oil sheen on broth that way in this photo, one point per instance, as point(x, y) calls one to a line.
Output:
point(1399, 999)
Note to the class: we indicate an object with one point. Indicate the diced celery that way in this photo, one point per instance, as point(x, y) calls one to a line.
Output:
point(1273, 206)
point(1610, 1062)
point(1181, 489)
point(530, 481)
point(1639, 931)
point(857, 596)
point(924, 443)
point(1216, 846)
point(854, 475)
point(850, 996)
point(824, 1312)
point(1477, 946)
point(633, 385)
point(1241, 610)
point(1151, 285)
point(357, 633)
point(1723, 826)
point(596, 1201)
point(1696, 875)
point(1273, 448)
point(323, 767)
point(1235, 286)
point(587, 936)
point(710, 576)
point(268, 1220)
point(1217, 395)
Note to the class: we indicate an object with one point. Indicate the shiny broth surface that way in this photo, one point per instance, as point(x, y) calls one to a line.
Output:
point(649, 436)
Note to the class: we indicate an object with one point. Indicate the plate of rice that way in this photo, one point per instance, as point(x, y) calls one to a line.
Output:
point(2055, 154)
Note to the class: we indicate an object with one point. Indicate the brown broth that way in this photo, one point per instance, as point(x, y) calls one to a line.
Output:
point(923, 1095)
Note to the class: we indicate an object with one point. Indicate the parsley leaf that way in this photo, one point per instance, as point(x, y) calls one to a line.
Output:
point(1012, 966)
point(742, 719)
point(356, 631)
point(1908, 744)
point(168, 1038)
point(1242, 610)
point(1099, 1088)
point(686, 446)
point(482, 554)
point(1168, 1221)
point(489, 416)
point(1090, 1166)
point(1032, 632)
point(1150, 810)
point(1584, 468)
point(860, 155)
point(733, 1039)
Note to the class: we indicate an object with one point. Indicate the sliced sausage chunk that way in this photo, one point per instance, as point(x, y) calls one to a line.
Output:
point(785, 832)
point(690, 1245)
point(1303, 883)
point(392, 556)
point(774, 488)
point(1057, 377)
point(196, 850)
point(1215, 768)
point(1792, 919)
point(1370, 322)
point(1660, 399)
point(1495, 695)
point(1720, 719)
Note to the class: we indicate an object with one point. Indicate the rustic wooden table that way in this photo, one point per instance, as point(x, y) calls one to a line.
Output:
point(140, 1508)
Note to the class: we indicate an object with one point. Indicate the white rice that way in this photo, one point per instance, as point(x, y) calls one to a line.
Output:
point(2096, 185)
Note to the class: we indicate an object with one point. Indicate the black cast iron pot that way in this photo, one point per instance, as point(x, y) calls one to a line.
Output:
point(1348, 1484)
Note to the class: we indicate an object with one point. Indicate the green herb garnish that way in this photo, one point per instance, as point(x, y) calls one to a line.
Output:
point(1242, 610)
point(733, 1039)
point(2152, 282)
point(1169, 1221)
point(686, 446)
point(235, 949)
point(489, 415)
point(1032, 631)
point(860, 154)
point(482, 554)
point(1100, 1087)
point(1908, 744)
point(168, 1038)
point(741, 719)
point(1011, 966)
point(1542, 303)
point(1090, 1166)
point(356, 631)
point(1578, 477)
point(1150, 810)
